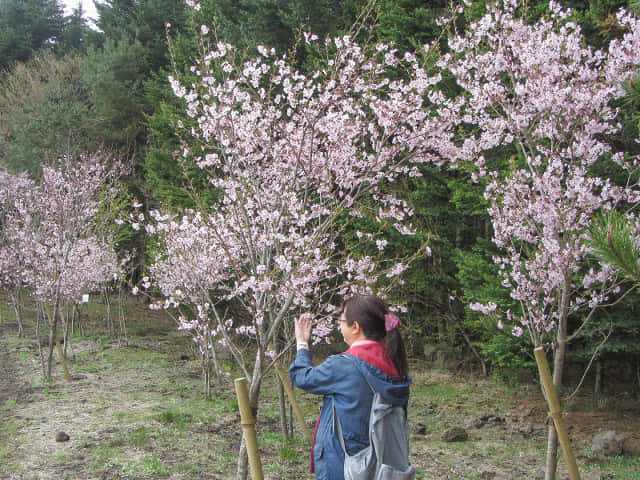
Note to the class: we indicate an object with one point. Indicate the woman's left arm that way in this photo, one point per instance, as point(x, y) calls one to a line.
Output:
point(319, 380)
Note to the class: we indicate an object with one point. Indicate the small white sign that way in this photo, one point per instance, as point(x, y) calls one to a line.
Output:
point(85, 298)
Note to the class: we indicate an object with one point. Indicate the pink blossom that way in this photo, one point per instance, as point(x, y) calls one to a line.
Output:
point(490, 307)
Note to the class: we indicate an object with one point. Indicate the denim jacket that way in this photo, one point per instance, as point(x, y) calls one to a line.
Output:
point(345, 388)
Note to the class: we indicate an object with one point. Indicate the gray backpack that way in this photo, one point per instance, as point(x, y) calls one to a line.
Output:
point(387, 456)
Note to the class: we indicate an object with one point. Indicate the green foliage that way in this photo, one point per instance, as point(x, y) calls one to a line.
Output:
point(143, 22)
point(275, 22)
point(27, 26)
point(44, 113)
point(618, 328)
point(597, 20)
point(168, 180)
point(131, 50)
point(409, 24)
point(480, 281)
point(113, 76)
point(430, 280)
point(630, 118)
point(76, 35)
point(613, 241)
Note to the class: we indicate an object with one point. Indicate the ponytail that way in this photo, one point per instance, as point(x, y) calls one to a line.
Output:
point(395, 348)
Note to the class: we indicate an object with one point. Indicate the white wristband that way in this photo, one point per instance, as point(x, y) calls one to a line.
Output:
point(303, 345)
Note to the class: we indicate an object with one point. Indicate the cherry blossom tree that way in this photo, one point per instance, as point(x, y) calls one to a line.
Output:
point(63, 253)
point(293, 158)
point(13, 188)
point(537, 89)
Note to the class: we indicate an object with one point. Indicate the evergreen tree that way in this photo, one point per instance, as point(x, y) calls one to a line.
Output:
point(27, 26)
point(132, 50)
point(76, 35)
point(114, 76)
point(44, 113)
point(142, 22)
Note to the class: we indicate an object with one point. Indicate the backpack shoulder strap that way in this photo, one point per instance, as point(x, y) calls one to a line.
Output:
point(338, 426)
point(336, 418)
point(355, 365)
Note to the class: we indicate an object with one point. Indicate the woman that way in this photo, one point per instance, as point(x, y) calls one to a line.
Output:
point(378, 353)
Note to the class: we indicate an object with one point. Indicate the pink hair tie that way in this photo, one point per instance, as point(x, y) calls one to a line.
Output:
point(391, 322)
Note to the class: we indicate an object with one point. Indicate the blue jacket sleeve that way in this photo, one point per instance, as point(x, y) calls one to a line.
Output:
point(320, 380)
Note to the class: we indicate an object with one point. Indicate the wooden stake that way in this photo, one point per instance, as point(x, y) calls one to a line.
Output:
point(294, 402)
point(556, 412)
point(248, 423)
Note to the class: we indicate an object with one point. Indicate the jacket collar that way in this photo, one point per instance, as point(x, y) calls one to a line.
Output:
point(375, 354)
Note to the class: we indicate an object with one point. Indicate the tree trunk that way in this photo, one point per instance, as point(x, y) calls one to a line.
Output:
point(552, 453)
point(291, 414)
point(16, 300)
point(210, 367)
point(16, 309)
point(121, 318)
point(284, 424)
point(243, 461)
point(475, 352)
point(558, 369)
point(254, 393)
point(55, 342)
point(282, 399)
point(108, 305)
point(65, 332)
point(52, 339)
point(40, 314)
point(63, 359)
point(207, 380)
point(214, 357)
point(597, 388)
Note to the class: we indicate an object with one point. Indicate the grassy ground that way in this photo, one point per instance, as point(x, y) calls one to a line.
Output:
point(136, 411)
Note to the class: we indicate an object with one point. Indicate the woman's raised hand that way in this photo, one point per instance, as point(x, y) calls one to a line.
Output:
point(303, 328)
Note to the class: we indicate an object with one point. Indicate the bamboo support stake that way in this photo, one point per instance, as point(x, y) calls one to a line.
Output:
point(556, 412)
point(248, 423)
point(284, 378)
point(294, 402)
